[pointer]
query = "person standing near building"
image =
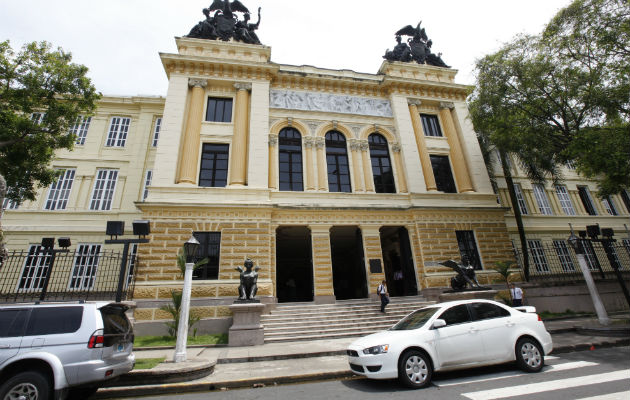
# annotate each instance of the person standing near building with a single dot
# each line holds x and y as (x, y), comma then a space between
(517, 295)
(381, 290)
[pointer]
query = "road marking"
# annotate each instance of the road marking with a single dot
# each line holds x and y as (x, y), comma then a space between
(610, 396)
(521, 390)
(510, 374)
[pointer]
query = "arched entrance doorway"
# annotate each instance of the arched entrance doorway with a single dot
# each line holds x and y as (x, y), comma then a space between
(348, 263)
(294, 264)
(398, 261)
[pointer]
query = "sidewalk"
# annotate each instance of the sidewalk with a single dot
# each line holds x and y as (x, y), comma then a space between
(275, 363)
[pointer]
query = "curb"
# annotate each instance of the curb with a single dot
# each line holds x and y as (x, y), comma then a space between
(198, 370)
(590, 346)
(277, 357)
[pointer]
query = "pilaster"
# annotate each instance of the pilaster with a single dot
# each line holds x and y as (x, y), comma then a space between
(425, 160)
(238, 157)
(400, 172)
(190, 149)
(457, 156)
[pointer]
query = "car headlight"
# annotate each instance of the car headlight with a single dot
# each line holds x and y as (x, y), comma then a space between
(376, 349)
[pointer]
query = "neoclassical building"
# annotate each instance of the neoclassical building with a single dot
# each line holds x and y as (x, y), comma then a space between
(330, 180)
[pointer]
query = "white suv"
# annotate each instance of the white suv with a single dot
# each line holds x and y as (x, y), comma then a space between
(62, 350)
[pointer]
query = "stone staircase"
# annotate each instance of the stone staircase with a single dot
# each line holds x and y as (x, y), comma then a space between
(346, 318)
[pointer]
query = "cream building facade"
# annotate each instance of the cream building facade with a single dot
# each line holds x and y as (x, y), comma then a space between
(330, 180)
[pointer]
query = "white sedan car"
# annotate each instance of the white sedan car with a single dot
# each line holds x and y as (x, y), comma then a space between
(452, 335)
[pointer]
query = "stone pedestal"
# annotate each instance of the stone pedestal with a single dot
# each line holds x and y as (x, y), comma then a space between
(468, 294)
(246, 329)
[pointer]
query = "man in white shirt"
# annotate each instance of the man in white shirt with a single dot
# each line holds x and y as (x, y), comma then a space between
(517, 295)
(381, 290)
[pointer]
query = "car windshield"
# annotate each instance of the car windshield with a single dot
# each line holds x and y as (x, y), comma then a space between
(415, 320)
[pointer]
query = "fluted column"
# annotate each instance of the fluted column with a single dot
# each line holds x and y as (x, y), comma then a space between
(425, 160)
(238, 160)
(322, 167)
(356, 169)
(457, 156)
(400, 173)
(190, 148)
(367, 166)
(273, 162)
(309, 143)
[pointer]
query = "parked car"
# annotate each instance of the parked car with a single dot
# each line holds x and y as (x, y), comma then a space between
(449, 336)
(62, 350)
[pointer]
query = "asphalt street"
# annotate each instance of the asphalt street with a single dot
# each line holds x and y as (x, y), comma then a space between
(602, 374)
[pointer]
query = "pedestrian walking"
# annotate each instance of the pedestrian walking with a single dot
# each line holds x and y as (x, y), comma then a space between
(517, 295)
(381, 290)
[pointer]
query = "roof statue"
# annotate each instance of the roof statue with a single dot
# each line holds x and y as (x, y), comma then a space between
(225, 25)
(417, 48)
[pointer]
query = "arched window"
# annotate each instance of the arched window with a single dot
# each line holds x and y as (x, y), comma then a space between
(290, 160)
(337, 161)
(381, 164)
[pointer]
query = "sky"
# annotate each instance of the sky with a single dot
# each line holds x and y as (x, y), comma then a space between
(120, 40)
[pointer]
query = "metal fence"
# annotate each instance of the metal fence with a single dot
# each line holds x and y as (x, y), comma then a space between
(88, 273)
(556, 261)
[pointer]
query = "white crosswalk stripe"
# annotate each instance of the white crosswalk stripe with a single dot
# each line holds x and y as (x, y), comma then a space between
(511, 374)
(521, 390)
(611, 396)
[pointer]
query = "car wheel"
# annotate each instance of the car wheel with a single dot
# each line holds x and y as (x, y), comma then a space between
(81, 393)
(529, 355)
(414, 369)
(28, 385)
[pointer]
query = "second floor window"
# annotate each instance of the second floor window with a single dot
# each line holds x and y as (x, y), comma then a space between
(118, 129)
(59, 191)
(104, 188)
(156, 131)
(587, 200)
(147, 183)
(542, 200)
(442, 173)
(520, 199)
(219, 109)
(9, 204)
(625, 196)
(38, 117)
(290, 159)
(80, 129)
(337, 163)
(609, 205)
(214, 165)
(381, 164)
(430, 125)
(565, 200)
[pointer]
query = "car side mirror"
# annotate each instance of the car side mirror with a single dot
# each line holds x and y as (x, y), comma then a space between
(438, 323)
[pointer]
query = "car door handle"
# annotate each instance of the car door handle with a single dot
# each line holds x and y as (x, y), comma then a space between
(5, 346)
(510, 324)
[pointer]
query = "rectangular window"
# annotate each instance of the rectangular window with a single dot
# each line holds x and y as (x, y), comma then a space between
(214, 165)
(80, 129)
(565, 200)
(626, 245)
(147, 183)
(210, 248)
(442, 173)
(468, 246)
(219, 109)
(38, 117)
(538, 255)
(541, 198)
(589, 255)
(625, 196)
(570, 165)
(85, 265)
(430, 125)
(34, 270)
(118, 129)
(520, 199)
(133, 261)
(59, 191)
(156, 131)
(562, 250)
(609, 205)
(587, 200)
(9, 204)
(104, 188)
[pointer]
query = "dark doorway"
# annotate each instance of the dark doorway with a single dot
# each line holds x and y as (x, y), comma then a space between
(398, 261)
(348, 263)
(294, 264)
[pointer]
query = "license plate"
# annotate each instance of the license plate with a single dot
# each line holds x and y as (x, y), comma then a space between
(121, 347)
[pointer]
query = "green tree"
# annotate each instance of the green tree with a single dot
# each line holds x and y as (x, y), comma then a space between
(37, 79)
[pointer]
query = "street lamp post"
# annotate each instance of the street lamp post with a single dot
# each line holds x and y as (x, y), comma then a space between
(597, 301)
(190, 249)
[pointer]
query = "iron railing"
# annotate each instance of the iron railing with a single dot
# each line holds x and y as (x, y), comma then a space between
(556, 261)
(78, 275)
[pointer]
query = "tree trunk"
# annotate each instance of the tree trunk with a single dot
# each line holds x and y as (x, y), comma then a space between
(517, 213)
